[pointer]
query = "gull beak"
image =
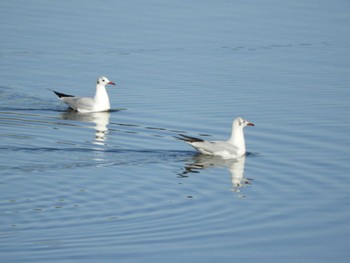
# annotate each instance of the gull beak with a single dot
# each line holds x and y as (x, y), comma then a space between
(112, 83)
(250, 124)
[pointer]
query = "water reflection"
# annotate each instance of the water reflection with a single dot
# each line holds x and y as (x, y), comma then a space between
(235, 167)
(101, 120)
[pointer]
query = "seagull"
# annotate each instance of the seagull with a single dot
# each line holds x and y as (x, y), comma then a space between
(234, 147)
(84, 104)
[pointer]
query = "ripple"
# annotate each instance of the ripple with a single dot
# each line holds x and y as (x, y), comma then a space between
(119, 185)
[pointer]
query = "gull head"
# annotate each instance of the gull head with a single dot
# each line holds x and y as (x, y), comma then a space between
(104, 81)
(240, 122)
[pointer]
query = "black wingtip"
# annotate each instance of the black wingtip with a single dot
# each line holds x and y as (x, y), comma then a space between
(188, 138)
(60, 95)
(179, 138)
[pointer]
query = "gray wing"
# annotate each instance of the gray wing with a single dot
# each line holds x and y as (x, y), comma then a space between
(79, 103)
(214, 147)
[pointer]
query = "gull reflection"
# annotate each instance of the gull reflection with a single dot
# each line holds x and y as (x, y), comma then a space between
(235, 167)
(101, 120)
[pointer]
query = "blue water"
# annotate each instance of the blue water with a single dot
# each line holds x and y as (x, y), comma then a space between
(118, 187)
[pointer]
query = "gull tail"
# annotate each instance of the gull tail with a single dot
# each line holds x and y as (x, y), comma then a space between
(61, 95)
(188, 138)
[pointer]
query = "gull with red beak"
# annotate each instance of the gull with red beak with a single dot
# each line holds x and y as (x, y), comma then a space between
(234, 147)
(85, 104)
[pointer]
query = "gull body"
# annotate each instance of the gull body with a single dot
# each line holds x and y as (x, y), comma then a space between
(100, 102)
(234, 147)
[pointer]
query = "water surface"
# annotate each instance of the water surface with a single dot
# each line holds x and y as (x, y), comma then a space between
(119, 187)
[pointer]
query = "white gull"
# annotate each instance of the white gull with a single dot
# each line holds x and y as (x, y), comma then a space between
(100, 102)
(234, 147)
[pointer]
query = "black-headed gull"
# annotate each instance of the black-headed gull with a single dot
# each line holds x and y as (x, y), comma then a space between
(100, 102)
(234, 147)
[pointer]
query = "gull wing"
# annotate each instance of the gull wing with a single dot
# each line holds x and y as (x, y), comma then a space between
(79, 104)
(222, 148)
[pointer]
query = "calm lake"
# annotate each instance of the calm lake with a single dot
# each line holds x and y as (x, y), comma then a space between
(118, 187)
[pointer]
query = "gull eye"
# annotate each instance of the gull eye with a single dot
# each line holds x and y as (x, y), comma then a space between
(103, 80)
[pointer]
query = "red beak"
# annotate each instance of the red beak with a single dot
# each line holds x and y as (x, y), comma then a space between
(250, 124)
(112, 83)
